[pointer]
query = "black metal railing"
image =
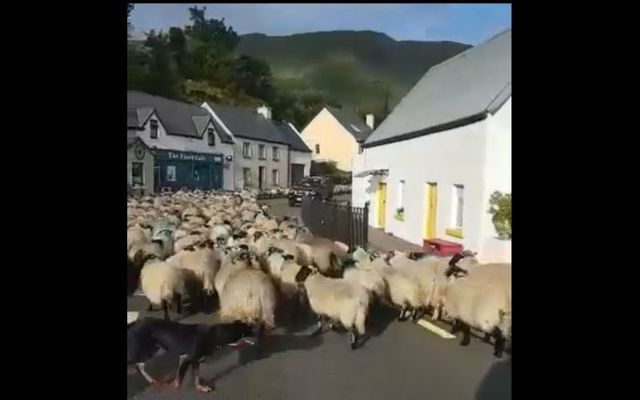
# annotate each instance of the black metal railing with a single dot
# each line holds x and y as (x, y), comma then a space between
(337, 221)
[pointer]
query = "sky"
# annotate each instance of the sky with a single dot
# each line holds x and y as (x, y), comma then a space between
(465, 23)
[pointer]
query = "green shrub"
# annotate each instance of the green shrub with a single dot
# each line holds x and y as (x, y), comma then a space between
(500, 209)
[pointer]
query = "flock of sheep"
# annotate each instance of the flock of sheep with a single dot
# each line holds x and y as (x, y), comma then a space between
(198, 246)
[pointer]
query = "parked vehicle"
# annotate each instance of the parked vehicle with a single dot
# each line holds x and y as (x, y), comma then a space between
(318, 187)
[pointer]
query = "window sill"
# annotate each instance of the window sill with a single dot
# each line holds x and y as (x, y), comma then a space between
(455, 232)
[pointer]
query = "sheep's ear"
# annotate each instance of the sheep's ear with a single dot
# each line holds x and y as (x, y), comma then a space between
(303, 274)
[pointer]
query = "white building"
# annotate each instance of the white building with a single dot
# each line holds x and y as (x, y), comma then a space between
(442, 152)
(267, 154)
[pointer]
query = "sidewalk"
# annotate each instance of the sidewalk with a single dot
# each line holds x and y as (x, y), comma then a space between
(385, 242)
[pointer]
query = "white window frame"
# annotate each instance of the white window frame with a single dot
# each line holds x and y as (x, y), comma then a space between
(400, 199)
(457, 209)
(157, 124)
(262, 148)
(275, 177)
(247, 182)
(276, 153)
(175, 172)
(211, 134)
(131, 172)
(246, 145)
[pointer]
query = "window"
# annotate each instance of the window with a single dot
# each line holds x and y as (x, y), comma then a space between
(153, 125)
(262, 152)
(246, 176)
(399, 215)
(458, 198)
(211, 137)
(276, 154)
(317, 149)
(275, 177)
(171, 173)
(137, 174)
(246, 150)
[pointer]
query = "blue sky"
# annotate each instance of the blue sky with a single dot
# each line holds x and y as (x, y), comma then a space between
(466, 23)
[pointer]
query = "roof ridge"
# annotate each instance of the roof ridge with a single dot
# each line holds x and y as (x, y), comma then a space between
(467, 51)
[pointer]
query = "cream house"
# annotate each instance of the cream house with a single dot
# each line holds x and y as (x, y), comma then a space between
(336, 135)
(428, 171)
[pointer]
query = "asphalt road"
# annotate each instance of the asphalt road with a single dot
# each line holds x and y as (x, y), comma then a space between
(401, 360)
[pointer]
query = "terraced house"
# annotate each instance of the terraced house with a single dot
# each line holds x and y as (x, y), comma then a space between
(268, 154)
(189, 149)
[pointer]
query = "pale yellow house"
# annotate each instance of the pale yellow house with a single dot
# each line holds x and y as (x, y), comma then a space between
(336, 135)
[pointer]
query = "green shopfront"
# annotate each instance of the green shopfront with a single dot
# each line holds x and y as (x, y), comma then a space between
(178, 169)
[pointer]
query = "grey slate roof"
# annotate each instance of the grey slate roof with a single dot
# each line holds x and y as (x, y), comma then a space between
(458, 91)
(352, 123)
(293, 138)
(177, 117)
(247, 123)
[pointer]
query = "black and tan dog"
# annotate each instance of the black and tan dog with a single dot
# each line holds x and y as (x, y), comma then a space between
(190, 342)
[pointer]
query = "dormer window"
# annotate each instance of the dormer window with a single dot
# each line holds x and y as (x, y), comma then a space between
(211, 137)
(153, 125)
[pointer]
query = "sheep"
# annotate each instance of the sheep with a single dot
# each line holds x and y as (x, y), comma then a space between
(249, 296)
(402, 289)
(220, 233)
(162, 284)
(136, 234)
(229, 265)
(202, 261)
(187, 241)
(481, 305)
(336, 299)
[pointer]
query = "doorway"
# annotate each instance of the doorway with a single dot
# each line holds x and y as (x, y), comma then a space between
(431, 199)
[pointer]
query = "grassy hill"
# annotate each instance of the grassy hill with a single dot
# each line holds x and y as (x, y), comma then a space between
(353, 67)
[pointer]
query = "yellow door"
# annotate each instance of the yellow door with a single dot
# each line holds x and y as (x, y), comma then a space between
(382, 202)
(431, 196)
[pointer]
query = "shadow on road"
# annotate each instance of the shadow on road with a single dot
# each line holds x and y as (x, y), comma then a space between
(274, 344)
(496, 384)
(379, 318)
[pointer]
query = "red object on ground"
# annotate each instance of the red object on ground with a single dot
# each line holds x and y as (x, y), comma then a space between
(441, 247)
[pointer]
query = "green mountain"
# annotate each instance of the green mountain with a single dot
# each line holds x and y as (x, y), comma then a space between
(354, 68)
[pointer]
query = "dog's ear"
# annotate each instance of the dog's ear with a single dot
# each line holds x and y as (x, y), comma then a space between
(303, 274)
(288, 257)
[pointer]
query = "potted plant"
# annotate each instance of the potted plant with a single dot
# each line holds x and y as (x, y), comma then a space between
(500, 209)
(399, 215)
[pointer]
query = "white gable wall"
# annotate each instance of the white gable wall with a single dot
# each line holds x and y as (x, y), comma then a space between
(301, 157)
(497, 176)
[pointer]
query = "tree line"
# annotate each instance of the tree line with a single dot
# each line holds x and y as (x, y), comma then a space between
(198, 63)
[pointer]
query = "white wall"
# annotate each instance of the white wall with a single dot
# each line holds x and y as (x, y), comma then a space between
(196, 145)
(254, 163)
(497, 176)
(477, 156)
(299, 157)
(447, 158)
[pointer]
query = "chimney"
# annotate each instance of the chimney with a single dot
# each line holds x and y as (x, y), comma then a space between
(264, 111)
(370, 120)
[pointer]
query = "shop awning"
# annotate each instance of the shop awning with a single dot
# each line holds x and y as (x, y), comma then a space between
(372, 172)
